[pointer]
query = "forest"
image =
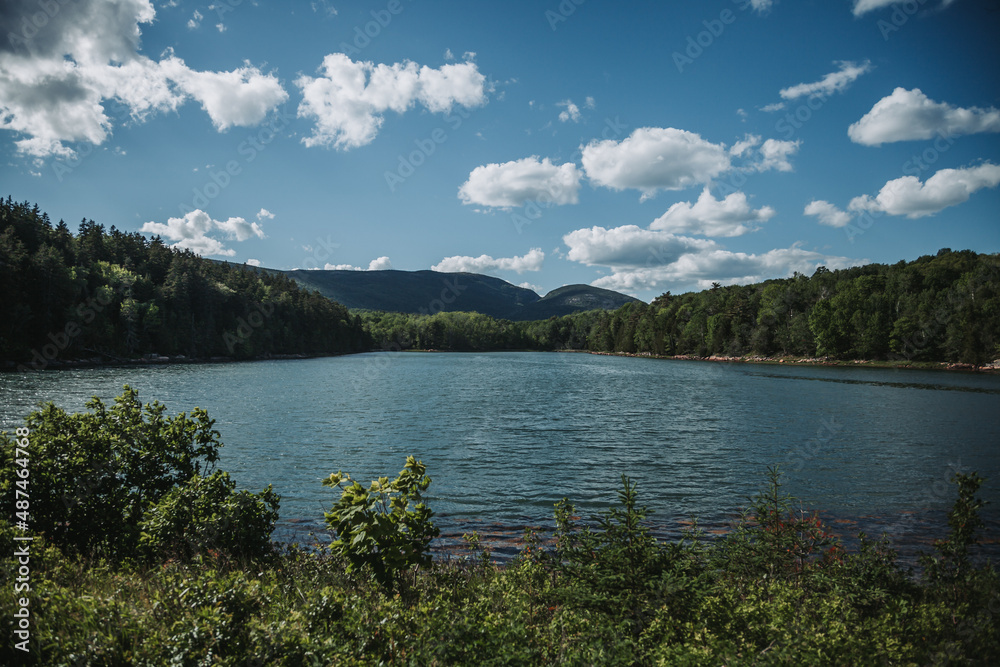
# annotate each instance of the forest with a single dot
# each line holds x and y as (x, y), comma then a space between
(107, 295)
(938, 308)
(111, 295)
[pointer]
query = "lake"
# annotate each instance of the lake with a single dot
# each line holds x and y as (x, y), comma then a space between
(506, 435)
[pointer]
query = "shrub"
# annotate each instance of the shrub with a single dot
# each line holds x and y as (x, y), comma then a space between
(207, 515)
(386, 528)
(93, 475)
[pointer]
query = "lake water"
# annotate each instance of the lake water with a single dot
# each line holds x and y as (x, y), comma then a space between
(506, 435)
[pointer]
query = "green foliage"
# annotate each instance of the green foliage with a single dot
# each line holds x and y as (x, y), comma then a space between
(774, 541)
(385, 529)
(617, 565)
(116, 295)
(937, 308)
(951, 564)
(94, 474)
(581, 605)
(206, 515)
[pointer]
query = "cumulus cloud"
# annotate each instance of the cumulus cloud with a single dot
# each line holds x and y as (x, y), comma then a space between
(264, 213)
(514, 183)
(191, 232)
(378, 264)
(864, 6)
(744, 145)
(774, 154)
(347, 100)
(835, 82)
(653, 159)
(948, 187)
(762, 5)
(195, 20)
(242, 97)
(55, 87)
(907, 115)
(827, 213)
(629, 246)
(709, 216)
(570, 111)
(253, 262)
(702, 268)
(531, 261)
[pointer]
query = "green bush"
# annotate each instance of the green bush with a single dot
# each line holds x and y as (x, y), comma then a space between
(377, 529)
(128, 481)
(207, 515)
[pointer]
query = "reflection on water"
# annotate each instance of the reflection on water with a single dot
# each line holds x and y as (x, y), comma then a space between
(506, 435)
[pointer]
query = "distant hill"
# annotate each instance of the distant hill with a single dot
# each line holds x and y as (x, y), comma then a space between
(434, 291)
(573, 299)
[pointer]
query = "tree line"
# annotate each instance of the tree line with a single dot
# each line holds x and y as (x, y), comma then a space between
(943, 307)
(117, 295)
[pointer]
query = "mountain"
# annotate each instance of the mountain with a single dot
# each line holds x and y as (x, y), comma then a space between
(573, 299)
(435, 291)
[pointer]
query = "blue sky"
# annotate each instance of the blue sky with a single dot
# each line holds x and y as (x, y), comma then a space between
(642, 147)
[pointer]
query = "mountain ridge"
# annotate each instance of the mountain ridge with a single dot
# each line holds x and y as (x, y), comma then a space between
(430, 292)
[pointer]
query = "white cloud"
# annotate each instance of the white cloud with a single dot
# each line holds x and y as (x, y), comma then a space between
(652, 159)
(242, 97)
(629, 246)
(221, 27)
(253, 262)
(709, 216)
(909, 114)
(570, 112)
(531, 261)
(191, 232)
(264, 213)
(195, 20)
(348, 99)
(762, 5)
(834, 82)
(770, 108)
(590, 102)
(702, 268)
(379, 264)
(515, 183)
(744, 145)
(827, 213)
(448, 55)
(948, 187)
(58, 89)
(864, 6)
(775, 153)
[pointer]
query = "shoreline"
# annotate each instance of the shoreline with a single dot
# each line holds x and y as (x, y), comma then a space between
(808, 361)
(151, 359)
